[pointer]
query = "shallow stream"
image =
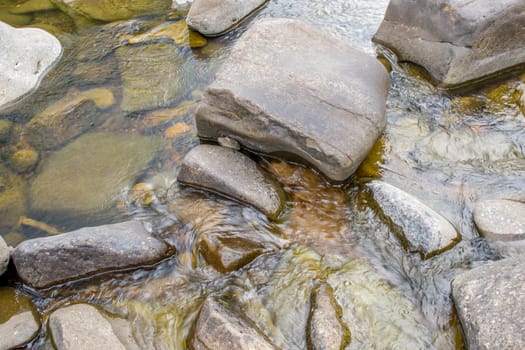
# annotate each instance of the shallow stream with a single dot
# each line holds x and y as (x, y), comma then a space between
(448, 149)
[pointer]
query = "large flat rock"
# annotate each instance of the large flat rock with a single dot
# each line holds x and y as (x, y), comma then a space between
(231, 173)
(290, 89)
(420, 228)
(27, 55)
(42, 262)
(215, 17)
(490, 301)
(456, 41)
(500, 219)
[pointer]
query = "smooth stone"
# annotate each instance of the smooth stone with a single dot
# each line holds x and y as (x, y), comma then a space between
(490, 302)
(5, 251)
(12, 199)
(67, 118)
(27, 55)
(216, 17)
(219, 328)
(326, 329)
(18, 330)
(32, 6)
(152, 75)
(310, 97)
(93, 332)
(87, 175)
(419, 227)
(42, 262)
(96, 72)
(500, 219)
(232, 174)
(111, 10)
(178, 32)
(24, 160)
(457, 42)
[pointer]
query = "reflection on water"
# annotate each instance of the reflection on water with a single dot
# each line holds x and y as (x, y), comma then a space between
(448, 149)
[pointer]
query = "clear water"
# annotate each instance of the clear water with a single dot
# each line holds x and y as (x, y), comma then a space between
(445, 148)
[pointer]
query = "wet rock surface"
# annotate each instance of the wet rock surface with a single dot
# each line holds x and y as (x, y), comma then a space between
(328, 115)
(18, 330)
(42, 262)
(4, 256)
(215, 17)
(220, 328)
(94, 331)
(456, 41)
(490, 301)
(27, 55)
(88, 175)
(326, 330)
(500, 219)
(231, 173)
(420, 228)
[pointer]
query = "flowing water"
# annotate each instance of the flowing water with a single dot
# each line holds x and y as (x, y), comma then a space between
(447, 149)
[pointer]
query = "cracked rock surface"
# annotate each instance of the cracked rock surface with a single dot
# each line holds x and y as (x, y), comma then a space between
(456, 41)
(289, 89)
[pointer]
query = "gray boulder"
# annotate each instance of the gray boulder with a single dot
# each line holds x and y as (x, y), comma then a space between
(231, 173)
(216, 17)
(490, 301)
(27, 55)
(456, 41)
(4, 256)
(42, 262)
(326, 330)
(82, 326)
(420, 228)
(219, 328)
(500, 219)
(290, 89)
(18, 330)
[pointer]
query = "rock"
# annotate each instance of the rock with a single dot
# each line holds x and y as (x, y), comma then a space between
(111, 10)
(42, 262)
(14, 302)
(309, 96)
(419, 227)
(232, 174)
(490, 301)
(97, 72)
(5, 129)
(4, 256)
(55, 21)
(18, 330)
(500, 219)
(33, 6)
(219, 328)
(457, 42)
(228, 251)
(12, 199)
(86, 176)
(326, 331)
(151, 75)
(27, 55)
(94, 332)
(12, 19)
(178, 32)
(14, 238)
(24, 160)
(76, 113)
(216, 17)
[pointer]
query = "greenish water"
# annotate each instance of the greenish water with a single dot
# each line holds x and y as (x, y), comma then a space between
(447, 149)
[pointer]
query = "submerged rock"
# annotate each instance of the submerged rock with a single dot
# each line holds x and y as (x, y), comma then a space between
(216, 17)
(24, 160)
(12, 198)
(178, 32)
(42, 262)
(456, 41)
(18, 330)
(231, 173)
(94, 331)
(151, 75)
(326, 330)
(33, 6)
(419, 227)
(490, 301)
(4, 256)
(27, 55)
(220, 328)
(500, 219)
(88, 175)
(310, 96)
